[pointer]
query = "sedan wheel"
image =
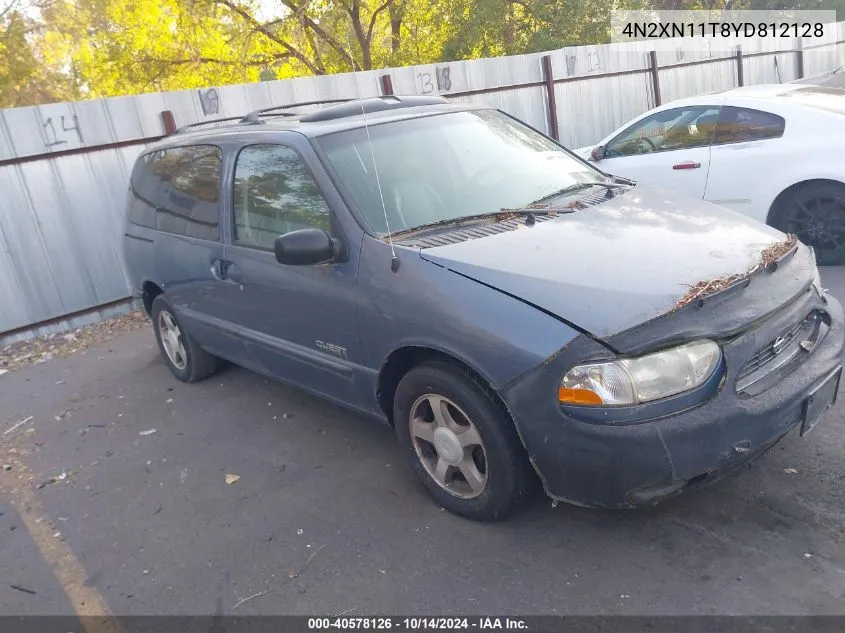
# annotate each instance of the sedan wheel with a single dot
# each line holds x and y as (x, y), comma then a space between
(816, 214)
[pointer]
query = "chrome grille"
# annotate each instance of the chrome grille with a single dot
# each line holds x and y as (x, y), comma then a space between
(770, 350)
(780, 351)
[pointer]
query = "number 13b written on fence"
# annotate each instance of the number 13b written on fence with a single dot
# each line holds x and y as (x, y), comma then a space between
(426, 83)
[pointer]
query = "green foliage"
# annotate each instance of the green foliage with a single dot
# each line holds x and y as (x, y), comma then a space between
(508, 27)
(25, 78)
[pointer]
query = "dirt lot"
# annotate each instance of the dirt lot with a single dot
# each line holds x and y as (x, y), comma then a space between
(124, 489)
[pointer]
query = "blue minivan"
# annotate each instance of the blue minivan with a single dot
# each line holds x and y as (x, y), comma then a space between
(516, 314)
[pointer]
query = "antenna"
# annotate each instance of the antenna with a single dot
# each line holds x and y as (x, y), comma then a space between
(394, 261)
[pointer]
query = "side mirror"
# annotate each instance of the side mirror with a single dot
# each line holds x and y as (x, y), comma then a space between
(305, 247)
(598, 153)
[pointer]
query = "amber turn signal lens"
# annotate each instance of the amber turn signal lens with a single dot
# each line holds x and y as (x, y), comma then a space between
(578, 396)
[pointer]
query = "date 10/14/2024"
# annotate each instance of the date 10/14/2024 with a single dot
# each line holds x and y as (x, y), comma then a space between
(418, 623)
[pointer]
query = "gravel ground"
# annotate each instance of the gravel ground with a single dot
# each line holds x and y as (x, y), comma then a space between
(44, 348)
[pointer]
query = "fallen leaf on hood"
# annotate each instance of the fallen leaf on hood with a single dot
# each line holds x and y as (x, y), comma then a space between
(791, 471)
(231, 478)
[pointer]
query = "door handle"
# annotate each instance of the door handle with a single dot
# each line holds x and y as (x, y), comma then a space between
(687, 165)
(223, 270)
(233, 273)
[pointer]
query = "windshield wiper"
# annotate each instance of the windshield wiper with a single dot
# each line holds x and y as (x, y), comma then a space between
(578, 186)
(529, 210)
(497, 216)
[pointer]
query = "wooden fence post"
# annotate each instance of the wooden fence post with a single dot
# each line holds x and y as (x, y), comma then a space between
(655, 77)
(386, 85)
(799, 59)
(168, 121)
(549, 79)
(740, 78)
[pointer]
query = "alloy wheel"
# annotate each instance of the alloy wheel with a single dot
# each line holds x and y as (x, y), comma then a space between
(818, 219)
(448, 446)
(172, 340)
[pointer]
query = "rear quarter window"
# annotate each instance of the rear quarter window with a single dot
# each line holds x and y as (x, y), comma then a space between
(143, 193)
(738, 125)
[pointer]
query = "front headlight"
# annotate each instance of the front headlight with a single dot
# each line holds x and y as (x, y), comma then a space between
(630, 381)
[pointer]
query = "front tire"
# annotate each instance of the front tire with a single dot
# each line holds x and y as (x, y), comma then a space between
(184, 357)
(815, 213)
(461, 441)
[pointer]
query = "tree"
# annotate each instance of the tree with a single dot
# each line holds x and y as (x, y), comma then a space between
(115, 47)
(326, 36)
(25, 79)
(64, 49)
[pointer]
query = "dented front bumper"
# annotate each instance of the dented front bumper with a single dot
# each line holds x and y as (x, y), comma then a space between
(618, 463)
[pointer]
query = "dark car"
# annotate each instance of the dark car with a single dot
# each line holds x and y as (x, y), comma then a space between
(514, 312)
(833, 79)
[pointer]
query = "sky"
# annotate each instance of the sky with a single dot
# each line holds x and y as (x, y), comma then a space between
(267, 10)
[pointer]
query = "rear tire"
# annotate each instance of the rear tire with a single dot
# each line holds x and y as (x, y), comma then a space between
(815, 212)
(184, 357)
(461, 442)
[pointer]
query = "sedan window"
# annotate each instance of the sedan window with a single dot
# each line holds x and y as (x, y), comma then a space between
(678, 128)
(737, 125)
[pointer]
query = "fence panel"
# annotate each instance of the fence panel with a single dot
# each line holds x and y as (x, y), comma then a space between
(677, 83)
(591, 108)
(820, 59)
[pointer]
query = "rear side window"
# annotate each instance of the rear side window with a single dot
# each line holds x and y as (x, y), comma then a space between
(738, 125)
(177, 190)
(143, 189)
(190, 190)
(275, 194)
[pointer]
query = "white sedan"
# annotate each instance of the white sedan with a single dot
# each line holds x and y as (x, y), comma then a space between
(772, 152)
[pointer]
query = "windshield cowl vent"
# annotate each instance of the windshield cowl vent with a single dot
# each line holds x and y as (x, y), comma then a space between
(456, 234)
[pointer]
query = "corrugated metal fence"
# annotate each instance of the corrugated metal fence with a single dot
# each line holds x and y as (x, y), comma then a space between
(64, 167)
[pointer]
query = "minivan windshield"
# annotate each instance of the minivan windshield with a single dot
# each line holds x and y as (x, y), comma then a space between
(449, 166)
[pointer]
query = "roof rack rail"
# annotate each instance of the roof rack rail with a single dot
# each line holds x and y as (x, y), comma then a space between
(371, 105)
(253, 116)
(185, 128)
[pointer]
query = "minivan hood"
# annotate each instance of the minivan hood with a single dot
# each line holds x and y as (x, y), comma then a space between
(613, 266)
